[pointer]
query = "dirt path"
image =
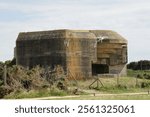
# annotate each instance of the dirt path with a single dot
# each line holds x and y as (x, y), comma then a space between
(94, 94)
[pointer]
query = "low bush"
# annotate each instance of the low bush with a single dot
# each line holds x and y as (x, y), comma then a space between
(5, 90)
(22, 81)
(145, 85)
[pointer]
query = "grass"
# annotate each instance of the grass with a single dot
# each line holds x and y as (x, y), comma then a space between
(128, 84)
(35, 93)
(134, 73)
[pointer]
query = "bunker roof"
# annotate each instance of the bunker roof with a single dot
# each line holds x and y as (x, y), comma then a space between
(109, 35)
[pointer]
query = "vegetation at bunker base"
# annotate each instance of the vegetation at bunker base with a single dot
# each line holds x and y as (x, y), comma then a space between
(127, 85)
(38, 82)
(124, 85)
(36, 93)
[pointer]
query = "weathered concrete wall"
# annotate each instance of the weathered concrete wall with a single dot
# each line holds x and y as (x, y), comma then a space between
(118, 69)
(112, 51)
(77, 51)
(80, 53)
(41, 48)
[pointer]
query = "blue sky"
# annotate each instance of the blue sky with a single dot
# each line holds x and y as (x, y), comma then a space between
(130, 18)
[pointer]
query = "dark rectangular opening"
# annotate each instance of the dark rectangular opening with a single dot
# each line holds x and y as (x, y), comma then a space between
(99, 69)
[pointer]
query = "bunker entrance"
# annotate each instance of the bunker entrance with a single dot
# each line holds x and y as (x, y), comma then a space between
(99, 69)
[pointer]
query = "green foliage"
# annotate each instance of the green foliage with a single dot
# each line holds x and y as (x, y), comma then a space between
(4, 90)
(126, 84)
(57, 92)
(39, 82)
(139, 65)
(116, 89)
(1, 70)
(145, 84)
(45, 92)
(10, 63)
(1, 82)
(22, 81)
(139, 73)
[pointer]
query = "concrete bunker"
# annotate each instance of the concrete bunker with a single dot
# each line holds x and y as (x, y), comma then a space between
(80, 52)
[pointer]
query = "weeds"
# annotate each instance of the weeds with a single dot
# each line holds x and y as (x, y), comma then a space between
(34, 82)
(39, 82)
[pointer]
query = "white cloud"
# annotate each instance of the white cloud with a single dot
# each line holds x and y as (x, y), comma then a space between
(129, 18)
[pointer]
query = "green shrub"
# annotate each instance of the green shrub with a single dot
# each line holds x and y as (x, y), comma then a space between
(1, 83)
(5, 90)
(145, 84)
(139, 76)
